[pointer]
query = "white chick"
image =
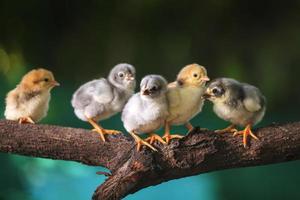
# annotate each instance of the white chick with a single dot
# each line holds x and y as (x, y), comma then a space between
(239, 103)
(185, 98)
(29, 101)
(147, 110)
(102, 98)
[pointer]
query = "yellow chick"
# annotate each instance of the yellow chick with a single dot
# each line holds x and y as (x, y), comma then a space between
(29, 101)
(185, 98)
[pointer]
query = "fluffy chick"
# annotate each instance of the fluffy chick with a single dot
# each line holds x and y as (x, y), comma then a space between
(239, 103)
(29, 101)
(185, 98)
(102, 98)
(147, 110)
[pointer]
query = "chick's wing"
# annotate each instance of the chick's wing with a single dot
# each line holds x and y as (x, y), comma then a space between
(174, 98)
(12, 99)
(97, 90)
(253, 100)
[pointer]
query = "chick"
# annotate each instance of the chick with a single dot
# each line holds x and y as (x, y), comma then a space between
(29, 101)
(102, 98)
(239, 103)
(147, 110)
(185, 98)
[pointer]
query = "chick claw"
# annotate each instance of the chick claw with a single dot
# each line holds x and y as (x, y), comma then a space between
(247, 131)
(107, 131)
(24, 120)
(153, 137)
(229, 129)
(169, 137)
(141, 142)
(102, 132)
(189, 126)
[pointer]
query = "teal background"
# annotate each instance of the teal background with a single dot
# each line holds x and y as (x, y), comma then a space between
(253, 41)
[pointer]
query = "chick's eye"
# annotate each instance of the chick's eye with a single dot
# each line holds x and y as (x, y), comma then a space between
(154, 88)
(195, 75)
(215, 91)
(46, 79)
(121, 74)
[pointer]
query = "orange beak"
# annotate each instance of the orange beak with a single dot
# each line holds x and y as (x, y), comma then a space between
(55, 83)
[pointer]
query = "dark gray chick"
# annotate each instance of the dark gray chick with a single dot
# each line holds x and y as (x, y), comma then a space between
(239, 103)
(101, 98)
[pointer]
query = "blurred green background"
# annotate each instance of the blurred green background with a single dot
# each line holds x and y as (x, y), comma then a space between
(253, 41)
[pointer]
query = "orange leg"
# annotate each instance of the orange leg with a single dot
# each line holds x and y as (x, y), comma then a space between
(229, 129)
(141, 142)
(24, 120)
(189, 126)
(153, 137)
(247, 131)
(101, 130)
(167, 134)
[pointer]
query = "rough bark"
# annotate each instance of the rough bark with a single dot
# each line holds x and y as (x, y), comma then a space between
(198, 152)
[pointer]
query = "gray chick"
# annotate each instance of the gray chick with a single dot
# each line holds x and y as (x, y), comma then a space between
(101, 98)
(239, 103)
(147, 110)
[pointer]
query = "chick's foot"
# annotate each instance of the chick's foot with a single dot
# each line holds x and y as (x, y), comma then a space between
(229, 129)
(141, 142)
(108, 131)
(189, 126)
(169, 137)
(100, 130)
(26, 120)
(247, 131)
(153, 137)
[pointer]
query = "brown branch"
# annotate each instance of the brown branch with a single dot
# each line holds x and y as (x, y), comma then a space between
(63, 144)
(199, 152)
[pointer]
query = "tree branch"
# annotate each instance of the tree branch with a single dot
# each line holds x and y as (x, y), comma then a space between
(199, 152)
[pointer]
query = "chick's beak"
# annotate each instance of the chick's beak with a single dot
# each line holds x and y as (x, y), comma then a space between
(55, 83)
(205, 79)
(146, 92)
(207, 95)
(180, 82)
(129, 78)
